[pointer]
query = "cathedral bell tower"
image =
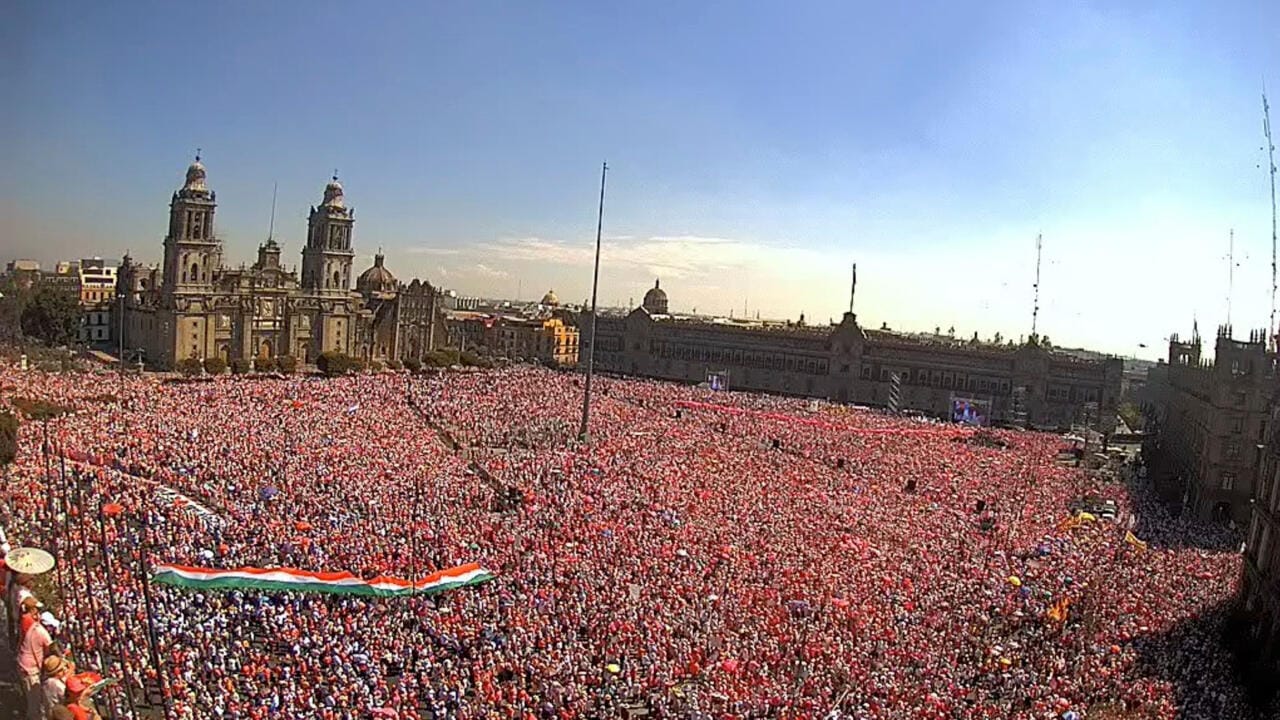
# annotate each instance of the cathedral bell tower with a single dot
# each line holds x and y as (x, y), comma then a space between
(192, 253)
(326, 260)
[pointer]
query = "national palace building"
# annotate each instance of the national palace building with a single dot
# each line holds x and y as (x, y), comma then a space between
(843, 362)
(193, 306)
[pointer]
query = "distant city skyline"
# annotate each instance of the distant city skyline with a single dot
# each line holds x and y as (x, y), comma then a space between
(754, 151)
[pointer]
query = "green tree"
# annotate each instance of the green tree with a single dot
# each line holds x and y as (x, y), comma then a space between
(189, 366)
(375, 365)
(8, 438)
(394, 364)
(1131, 415)
(265, 364)
(39, 410)
(413, 364)
(333, 363)
(52, 316)
(215, 365)
(15, 299)
(239, 366)
(287, 364)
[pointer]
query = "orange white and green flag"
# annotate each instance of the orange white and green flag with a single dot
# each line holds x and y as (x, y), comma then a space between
(333, 583)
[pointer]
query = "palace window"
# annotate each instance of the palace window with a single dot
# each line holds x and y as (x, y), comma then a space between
(1228, 481)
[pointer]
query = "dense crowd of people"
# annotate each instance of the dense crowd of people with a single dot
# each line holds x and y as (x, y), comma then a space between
(705, 555)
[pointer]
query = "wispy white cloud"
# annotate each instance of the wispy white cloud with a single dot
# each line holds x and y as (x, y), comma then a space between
(487, 271)
(687, 257)
(420, 250)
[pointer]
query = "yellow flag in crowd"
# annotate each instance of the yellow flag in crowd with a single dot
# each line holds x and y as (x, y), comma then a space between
(1069, 523)
(1133, 541)
(1058, 611)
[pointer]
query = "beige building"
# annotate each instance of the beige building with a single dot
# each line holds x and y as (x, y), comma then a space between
(549, 337)
(843, 362)
(97, 300)
(1212, 421)
(1261, 587)
(192, 306)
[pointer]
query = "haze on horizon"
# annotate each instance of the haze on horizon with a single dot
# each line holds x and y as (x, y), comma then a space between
(755, 151)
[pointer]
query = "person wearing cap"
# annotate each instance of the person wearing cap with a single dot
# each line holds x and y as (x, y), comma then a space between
(31, 654)
(28, 615)
(54, 688)
(21, 595)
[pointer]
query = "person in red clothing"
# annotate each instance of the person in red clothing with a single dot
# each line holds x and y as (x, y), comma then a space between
(78, 701)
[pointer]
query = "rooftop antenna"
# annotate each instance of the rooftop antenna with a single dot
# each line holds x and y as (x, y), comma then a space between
(271, 229)
(1271, 170)
(1231, 271)
(1035, 308)
(853, 288)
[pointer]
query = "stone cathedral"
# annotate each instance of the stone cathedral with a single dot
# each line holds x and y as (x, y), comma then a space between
(192, 306)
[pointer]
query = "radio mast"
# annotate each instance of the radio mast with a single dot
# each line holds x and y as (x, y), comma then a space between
(1271, 170)
(1231, 271)
(1035, 307)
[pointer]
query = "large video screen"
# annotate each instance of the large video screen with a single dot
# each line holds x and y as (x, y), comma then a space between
(970, 411)
(718, 379)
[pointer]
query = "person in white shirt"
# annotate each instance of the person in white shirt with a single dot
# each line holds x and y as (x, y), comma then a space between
(54, 687)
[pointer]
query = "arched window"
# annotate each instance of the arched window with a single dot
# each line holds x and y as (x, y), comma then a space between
(195, 272)
(337, 279)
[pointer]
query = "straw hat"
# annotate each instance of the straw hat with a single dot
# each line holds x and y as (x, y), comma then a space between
(54, 665)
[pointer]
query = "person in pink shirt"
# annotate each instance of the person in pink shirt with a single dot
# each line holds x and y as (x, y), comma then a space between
(31, 653)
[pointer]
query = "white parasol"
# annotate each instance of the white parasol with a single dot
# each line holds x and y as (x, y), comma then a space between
(29, 561)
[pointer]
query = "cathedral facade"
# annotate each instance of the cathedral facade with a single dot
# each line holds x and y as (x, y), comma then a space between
(192, 306)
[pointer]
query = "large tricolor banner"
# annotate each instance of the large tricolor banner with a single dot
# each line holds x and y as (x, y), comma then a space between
(334, 583)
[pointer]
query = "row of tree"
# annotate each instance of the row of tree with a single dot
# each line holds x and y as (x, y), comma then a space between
(43, 313)
(216, 366)
(331, 363)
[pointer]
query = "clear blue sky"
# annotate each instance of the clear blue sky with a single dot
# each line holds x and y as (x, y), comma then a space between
(755, 149)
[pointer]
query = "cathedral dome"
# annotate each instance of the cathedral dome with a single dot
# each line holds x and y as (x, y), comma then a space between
(195, 176)
(550, 299)
(655, 301)
(376, 279)
(333, 193)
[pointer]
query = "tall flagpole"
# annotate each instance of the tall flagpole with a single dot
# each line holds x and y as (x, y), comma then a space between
(583, 432)
(853, 287)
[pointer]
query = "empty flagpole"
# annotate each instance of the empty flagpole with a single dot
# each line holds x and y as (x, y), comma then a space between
(583, 432)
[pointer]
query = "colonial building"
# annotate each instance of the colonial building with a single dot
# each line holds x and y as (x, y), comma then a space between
(1261, 587)
(844, 362)
(550, 336)
(192, 306)
(97, 296)
(1212, 421)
